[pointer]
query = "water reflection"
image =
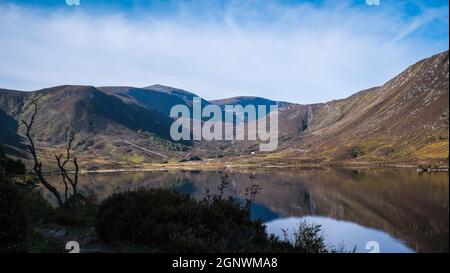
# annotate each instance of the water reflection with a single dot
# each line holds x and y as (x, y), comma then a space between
(341, 233)
(408, 210)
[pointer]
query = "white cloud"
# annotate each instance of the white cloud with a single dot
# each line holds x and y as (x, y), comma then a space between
(303, 54)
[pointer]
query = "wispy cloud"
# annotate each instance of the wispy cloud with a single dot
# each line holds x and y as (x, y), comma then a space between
(298, 52)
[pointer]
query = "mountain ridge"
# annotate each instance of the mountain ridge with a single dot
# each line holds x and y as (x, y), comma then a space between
(404, 120)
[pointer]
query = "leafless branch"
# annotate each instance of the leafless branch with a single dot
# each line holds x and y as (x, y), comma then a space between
(62, 171)
(70, 135)
(37, 164)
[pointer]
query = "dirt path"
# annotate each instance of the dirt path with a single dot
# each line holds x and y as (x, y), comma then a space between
(144, 149)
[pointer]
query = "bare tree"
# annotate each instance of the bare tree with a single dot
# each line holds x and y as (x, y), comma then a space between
(37, 168)
(70, 135)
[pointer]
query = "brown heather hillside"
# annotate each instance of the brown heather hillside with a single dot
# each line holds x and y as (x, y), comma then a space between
(104, 125)
(404, 121)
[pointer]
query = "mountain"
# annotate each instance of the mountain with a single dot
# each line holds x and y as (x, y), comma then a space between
(179, 93)
(406, 119)
(156, 97)
(105, 124)
(245, 101)
(147, 98)
(248, 100)
(403, 121)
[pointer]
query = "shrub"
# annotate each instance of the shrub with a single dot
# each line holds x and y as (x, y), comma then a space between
(168, 221)
(308, 238)
(10, 167)
(14, 225)
(38, 209)
(78, 210)
(358, 151)
(144, 216)
(21, 208)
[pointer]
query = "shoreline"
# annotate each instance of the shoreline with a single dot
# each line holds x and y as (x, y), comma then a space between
(254, 167)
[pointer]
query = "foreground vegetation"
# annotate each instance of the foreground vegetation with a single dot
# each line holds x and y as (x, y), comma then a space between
(171, 222)
(153, 220)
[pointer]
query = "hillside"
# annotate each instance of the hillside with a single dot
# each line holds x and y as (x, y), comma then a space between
(403, 121)
(246, 100)
(103, 122)
(186, 96)
(154, 100)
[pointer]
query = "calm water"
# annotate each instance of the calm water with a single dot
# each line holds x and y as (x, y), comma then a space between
(401, 210)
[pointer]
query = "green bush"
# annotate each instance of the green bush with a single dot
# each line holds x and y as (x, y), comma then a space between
(143, 216)
(167, 221)
(10, 167)
(14, 225)
(358, 151)
(308, 238)
(170, 221)
(39, 210)
(21, 208)
(78, 210)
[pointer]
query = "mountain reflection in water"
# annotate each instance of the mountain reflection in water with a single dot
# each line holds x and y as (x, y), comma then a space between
(403, 210)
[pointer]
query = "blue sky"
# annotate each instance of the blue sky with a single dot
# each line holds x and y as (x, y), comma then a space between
(300, 51)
